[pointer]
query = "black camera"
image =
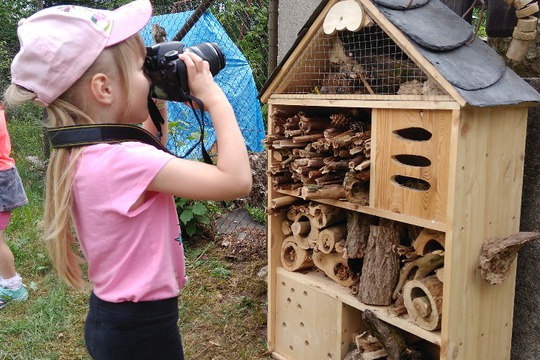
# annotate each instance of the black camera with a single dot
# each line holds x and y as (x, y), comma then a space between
(168, 73)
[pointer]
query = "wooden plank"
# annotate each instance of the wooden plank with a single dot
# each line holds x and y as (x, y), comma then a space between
(501, 19)
(434, 225)
(434, 102)
(487, 153)
(273, 251)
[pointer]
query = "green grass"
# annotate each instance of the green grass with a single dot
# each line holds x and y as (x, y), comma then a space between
(222, 309)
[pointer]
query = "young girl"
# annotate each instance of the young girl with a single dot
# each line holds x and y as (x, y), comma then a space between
(85, 66)
(12, 196)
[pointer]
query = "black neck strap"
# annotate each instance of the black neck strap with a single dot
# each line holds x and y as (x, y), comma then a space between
(83, 135)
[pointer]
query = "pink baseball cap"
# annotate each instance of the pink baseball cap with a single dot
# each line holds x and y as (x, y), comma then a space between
(58, 44)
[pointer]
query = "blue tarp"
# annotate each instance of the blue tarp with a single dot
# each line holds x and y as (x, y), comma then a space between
(236, 80)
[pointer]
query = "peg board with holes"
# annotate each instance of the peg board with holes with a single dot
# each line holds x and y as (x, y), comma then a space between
(395, 112)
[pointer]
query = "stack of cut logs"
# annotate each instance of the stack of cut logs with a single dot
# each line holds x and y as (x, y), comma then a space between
(315, 236)
(383, 262)
(320, 157)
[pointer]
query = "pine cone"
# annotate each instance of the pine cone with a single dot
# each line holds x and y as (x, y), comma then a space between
(340, 120)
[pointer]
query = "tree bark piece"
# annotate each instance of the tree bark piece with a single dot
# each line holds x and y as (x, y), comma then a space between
(380, 270)
(293, 257)
(423, 300)
(391, 337)
(335, 267)
(357, 234)
(497, 255)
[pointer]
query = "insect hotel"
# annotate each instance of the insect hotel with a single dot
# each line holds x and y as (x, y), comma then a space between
(396, 142)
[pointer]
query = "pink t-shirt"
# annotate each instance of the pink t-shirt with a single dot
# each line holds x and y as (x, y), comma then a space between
(6, 161)
(132, 255)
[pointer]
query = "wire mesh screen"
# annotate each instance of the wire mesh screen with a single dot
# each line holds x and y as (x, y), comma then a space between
(365, 62)
(237, 28)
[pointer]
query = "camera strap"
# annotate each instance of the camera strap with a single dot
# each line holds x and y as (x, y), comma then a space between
(90, 134)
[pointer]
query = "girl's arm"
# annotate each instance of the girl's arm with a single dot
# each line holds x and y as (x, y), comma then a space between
(230, 178)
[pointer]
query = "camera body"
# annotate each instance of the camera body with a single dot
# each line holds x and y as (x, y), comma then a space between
(168, 73)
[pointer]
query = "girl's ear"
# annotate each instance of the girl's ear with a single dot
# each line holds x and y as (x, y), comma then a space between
(101, 88)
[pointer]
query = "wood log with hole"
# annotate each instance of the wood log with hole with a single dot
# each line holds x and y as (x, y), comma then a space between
(294, 257)
(335, 267)
(423, 301)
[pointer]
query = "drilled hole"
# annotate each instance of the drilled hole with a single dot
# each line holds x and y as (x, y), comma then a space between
(414, 134)
(412, 183)
(413, 160)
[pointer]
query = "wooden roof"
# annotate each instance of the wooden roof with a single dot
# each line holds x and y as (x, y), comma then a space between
(428, 30)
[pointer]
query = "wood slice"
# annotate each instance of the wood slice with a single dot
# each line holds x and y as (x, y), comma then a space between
(335, 267)
(423, 300)
(529, 10)
(293, 257)
(527, 24)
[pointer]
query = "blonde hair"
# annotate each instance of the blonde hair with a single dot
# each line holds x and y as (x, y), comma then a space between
(67, 110)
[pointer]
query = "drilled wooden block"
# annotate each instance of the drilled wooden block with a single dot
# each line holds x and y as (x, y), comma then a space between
(412, 155)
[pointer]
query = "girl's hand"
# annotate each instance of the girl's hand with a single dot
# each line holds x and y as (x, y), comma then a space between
(201, 81)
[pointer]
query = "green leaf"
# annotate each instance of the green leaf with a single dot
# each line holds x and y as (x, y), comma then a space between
(186, 216)
(199, 209)
(191, 229)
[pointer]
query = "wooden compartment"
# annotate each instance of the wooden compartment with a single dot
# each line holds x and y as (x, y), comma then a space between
(311, 324)
(411, 162)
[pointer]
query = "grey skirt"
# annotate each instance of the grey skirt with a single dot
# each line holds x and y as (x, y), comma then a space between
(12, 193)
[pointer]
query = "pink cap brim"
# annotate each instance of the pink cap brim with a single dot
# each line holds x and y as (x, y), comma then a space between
(129, 20)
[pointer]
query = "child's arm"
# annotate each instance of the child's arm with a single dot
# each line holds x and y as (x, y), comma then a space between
(230, 178)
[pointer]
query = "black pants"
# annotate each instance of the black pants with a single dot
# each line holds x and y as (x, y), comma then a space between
(128, 330)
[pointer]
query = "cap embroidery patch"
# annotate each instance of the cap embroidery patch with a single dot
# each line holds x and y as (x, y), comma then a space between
(100, 19)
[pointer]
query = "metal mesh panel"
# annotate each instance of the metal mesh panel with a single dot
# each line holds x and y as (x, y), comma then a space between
(364, 62)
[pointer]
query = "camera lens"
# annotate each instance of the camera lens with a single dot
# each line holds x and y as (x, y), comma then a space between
(212, 53)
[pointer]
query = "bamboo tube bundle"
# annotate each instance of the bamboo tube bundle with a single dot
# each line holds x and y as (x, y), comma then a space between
(294, 257)
(311, 154)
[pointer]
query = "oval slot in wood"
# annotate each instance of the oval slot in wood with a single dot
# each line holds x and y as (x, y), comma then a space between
(411, 183)
(414, 134)
(412, 160)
